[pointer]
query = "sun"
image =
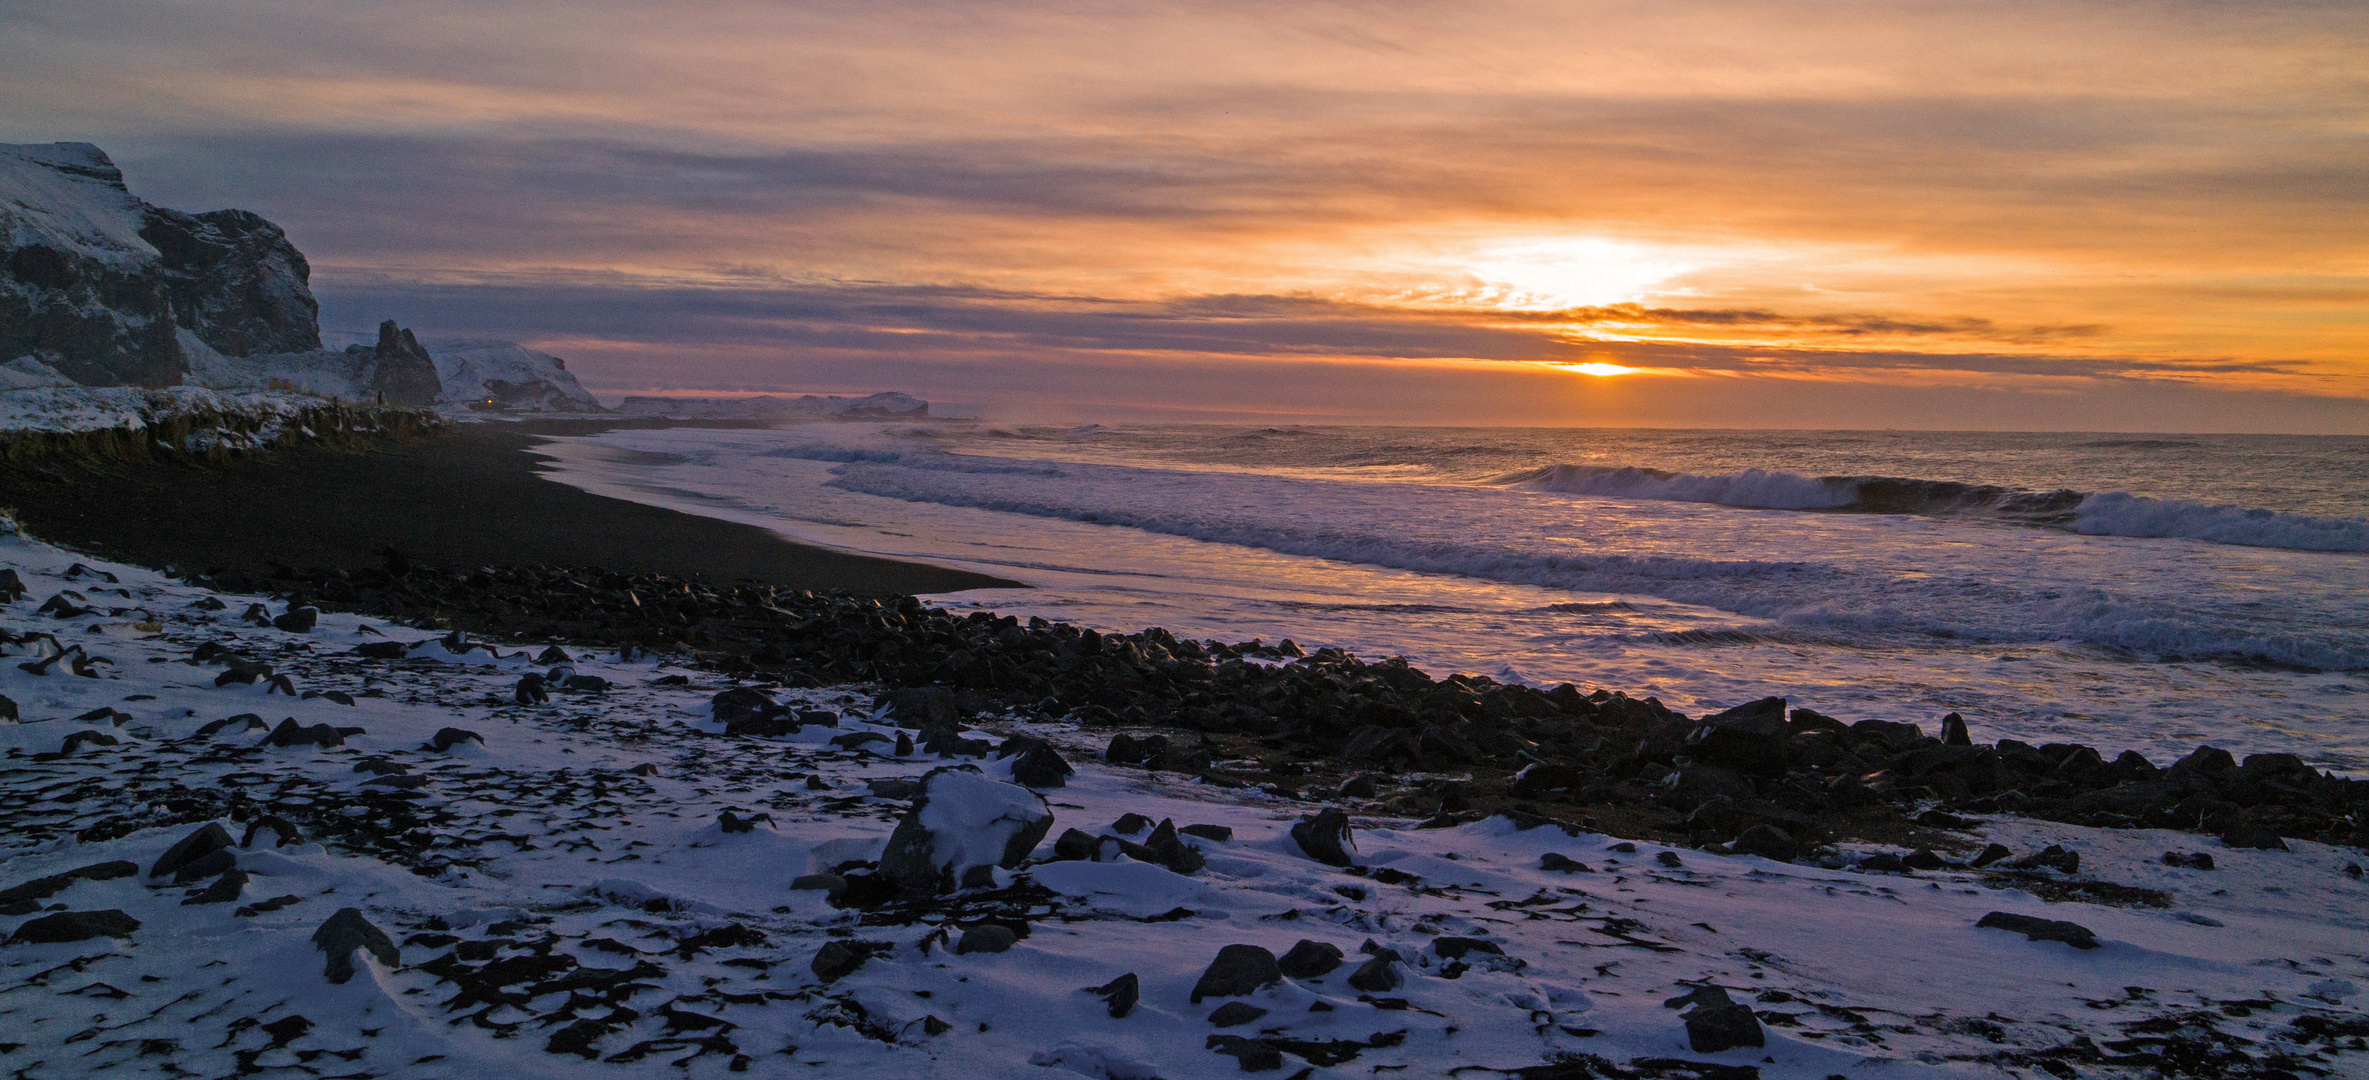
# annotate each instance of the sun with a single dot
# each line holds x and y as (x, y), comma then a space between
(1551, 274)
(1601, 369)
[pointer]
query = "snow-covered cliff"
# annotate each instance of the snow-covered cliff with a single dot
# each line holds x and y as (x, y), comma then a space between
(101, 287)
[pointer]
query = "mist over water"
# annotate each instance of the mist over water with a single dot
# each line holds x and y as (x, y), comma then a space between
(2143, 592)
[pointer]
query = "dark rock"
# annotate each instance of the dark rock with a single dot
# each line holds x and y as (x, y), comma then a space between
(1361, 786)
(1255, 1055)
(1376, 975)
(1166, 849)
(204, 866)
(298, 620)
(531, 690)
(1563, 864)
(1991, 853)
(1456, 948)
(1239, 970)
(2073, 934)
(345, 932)
(1130, 823)
(836, 959)
(554, 655)
(922, 861)
(447, 738)
(1309, 960)
(1326, 837)
(1040, 766)
(384, 650)
(63, 926)
(591, 684)
(1235, 1014)
(2197, 861)
(830, 885)
(1953, 731)
(2204, 762)
(822, 718)
(904, 746)
(208, 839)
(402, 373)
(1884, 862)
(1768, 842)
(2052, 857)
(1669, 859)
(1076, 845)
(86, 738)
(283, 831)
(224, 890)
(46, 887)
(1123, 750)
(8, 710)
(1119, 994)
(2254, 837)
(290, 733)
(1749, 739)
(1541, 779)
(734, 823)
(1925, 859)
(1219, 833)
(1716, 1023)
(986, 938)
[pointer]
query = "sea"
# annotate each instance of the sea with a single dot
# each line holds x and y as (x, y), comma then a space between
(2141, 592)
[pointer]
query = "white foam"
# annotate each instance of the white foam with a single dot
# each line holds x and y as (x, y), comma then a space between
(2119, 513)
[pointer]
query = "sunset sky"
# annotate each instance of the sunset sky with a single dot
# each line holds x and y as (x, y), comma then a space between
(1781, 214)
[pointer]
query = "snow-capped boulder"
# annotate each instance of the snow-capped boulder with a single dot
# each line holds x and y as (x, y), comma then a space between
(963, 824)
(100, 286)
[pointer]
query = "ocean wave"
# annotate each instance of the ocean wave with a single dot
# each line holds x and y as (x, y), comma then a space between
(1797, 595)
(2118, 513)
(2112, 513)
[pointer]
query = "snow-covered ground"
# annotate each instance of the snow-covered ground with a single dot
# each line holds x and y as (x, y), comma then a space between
(73, 409)
(565, 898)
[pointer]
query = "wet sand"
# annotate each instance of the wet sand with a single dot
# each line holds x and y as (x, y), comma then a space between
(468, 496)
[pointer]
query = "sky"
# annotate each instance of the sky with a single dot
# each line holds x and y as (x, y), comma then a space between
(2044, 215)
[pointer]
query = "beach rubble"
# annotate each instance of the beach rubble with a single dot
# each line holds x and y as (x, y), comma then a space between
(615, 882)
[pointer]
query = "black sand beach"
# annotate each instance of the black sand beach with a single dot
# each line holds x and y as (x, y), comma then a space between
(469, 496)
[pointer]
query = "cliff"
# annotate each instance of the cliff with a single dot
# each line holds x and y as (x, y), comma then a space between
(99, 286)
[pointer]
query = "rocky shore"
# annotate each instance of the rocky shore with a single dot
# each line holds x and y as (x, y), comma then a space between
(1383, 736)
(631, 823)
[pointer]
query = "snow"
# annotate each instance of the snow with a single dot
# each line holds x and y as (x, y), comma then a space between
(68, 196)
(583, 835)
(971, 817)
(29, 373)
(471, 368)
(69, 409)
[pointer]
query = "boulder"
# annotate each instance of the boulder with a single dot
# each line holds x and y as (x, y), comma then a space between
(2073, 934)
(1376, 975)
(986, 938)
(1716, 1023)
(1119, 994)
(62, 926)
(837, 959)
(1749, 739)
(298, 620)
(345, 932)
(1325, 837)
(962, 823)
(447, 738)
(1238, 971)
(208, 839)
(1309, 960)
(1040, 766)
(1235, 1014)
(1768, 842)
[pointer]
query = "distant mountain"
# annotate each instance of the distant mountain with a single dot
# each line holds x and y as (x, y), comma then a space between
(888, 406)
(106, 290)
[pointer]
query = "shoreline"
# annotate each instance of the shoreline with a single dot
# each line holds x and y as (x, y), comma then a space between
(471, 495)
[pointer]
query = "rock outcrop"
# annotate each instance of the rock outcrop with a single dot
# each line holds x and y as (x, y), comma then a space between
(402, 373)
(100, 287)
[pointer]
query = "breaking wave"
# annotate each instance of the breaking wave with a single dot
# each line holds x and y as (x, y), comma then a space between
(2112, 513)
